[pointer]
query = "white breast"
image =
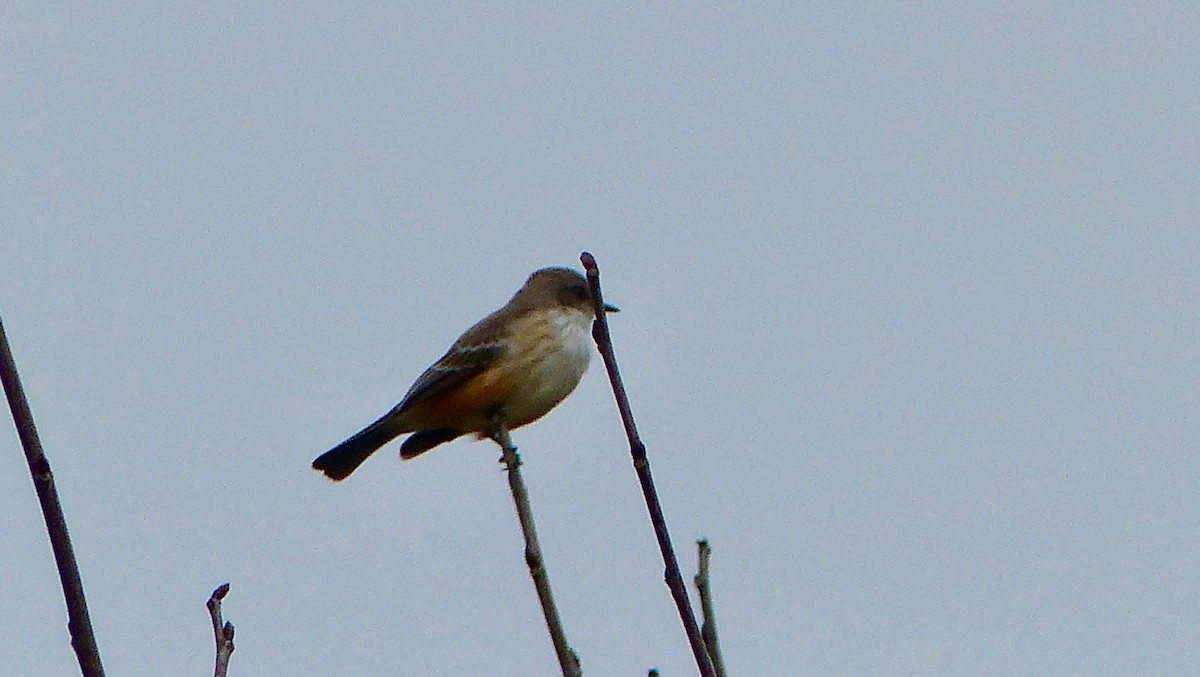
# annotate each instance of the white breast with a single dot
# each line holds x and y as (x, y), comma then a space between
(550, 374)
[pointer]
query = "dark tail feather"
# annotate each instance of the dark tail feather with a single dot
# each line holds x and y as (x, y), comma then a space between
(340, 461)
(424, 440)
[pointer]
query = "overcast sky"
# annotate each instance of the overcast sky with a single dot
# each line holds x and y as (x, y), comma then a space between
(909, 324)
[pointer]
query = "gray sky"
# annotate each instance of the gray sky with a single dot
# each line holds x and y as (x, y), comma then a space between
(910, 328)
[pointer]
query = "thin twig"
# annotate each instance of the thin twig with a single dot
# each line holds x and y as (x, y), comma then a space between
(709, 630)
(79, 624)
(641, 464)
(568, 660)
(222, 630)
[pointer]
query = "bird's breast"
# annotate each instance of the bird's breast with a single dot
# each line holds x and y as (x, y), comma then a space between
(550, 354)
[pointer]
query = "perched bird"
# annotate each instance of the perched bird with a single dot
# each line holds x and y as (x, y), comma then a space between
(519, 362)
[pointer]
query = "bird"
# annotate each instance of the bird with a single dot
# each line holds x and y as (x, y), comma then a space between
(514, 366)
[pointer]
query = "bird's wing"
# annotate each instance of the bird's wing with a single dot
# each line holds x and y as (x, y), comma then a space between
(458, 365)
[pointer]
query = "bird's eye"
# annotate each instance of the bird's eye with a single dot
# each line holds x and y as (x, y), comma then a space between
(580, 292)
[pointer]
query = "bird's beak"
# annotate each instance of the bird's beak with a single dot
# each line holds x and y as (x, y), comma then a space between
(610, 308)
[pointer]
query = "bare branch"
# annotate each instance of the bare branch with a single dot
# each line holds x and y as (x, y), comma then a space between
(79, 623)
(222, 630)
(709, 630)
(641, 464)
(568, 660)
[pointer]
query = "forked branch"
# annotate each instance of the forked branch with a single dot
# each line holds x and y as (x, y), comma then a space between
(222, 630)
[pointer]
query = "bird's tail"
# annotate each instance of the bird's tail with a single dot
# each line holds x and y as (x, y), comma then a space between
(340, 461)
